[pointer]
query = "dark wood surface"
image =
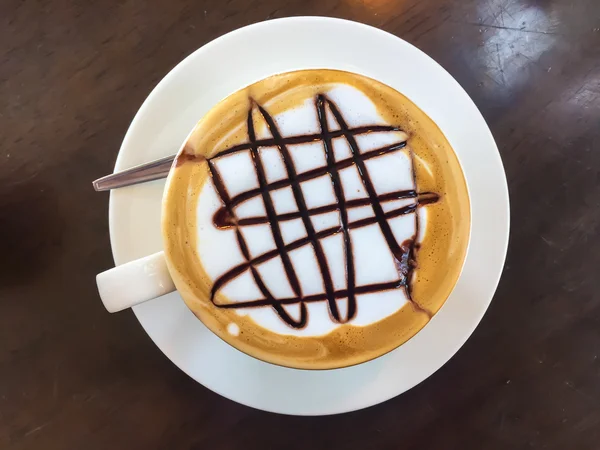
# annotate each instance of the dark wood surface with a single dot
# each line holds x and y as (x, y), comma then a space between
(72, 376)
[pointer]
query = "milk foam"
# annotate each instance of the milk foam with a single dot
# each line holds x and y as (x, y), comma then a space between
(219, 251)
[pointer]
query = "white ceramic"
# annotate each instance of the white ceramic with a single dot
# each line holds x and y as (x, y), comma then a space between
(248, 55)
(135, 282)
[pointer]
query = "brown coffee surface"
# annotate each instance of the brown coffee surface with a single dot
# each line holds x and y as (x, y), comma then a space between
(437, 259)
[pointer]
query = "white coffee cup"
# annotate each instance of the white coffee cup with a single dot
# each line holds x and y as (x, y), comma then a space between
(286, 294)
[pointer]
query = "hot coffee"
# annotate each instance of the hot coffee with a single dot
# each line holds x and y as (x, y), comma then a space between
(316, 219)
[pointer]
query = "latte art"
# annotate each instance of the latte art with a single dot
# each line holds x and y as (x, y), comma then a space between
(402, 253)
(309, 220)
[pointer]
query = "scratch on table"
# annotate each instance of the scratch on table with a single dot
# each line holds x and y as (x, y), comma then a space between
(548, 241)
(533, 61)
(500, 27)
(418, 24)
(426, 31)
(37, 429)
(508, 12)
(493, 79)
(500, 67)
(573, 388)
(411, 7)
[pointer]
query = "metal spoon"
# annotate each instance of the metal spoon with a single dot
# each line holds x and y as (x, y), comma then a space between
(153, 170)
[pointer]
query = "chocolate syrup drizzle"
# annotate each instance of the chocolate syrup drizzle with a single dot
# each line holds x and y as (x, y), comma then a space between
(225, 217)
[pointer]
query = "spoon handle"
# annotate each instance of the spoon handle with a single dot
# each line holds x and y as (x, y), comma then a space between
(153, 170)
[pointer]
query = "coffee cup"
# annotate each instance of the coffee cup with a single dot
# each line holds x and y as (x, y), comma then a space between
(315, 219)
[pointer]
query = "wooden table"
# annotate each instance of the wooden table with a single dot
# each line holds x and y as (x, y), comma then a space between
(73, 74)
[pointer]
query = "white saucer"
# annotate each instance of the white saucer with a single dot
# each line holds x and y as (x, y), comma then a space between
(248, 55)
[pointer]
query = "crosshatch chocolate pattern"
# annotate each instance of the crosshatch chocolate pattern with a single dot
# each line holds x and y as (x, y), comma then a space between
(403, 252)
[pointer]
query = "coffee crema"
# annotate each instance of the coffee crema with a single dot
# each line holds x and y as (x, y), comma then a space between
(316, 219)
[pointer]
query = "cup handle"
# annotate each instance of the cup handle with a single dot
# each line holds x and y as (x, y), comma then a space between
(134, 282)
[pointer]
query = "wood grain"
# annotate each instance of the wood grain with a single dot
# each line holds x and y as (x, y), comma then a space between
(73, 74)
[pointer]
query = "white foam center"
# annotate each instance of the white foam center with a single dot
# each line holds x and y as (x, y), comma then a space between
(374, 263)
